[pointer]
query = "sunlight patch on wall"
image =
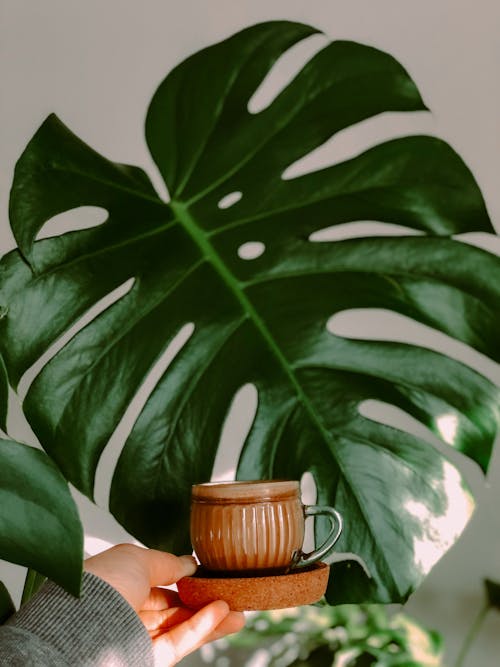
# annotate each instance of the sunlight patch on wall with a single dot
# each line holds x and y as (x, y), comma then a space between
(447, 425)
(439, 533)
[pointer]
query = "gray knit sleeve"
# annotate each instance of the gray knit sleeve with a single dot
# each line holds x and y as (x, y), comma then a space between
(57, 630)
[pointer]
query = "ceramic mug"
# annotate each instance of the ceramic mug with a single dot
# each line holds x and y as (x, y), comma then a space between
(254, 526)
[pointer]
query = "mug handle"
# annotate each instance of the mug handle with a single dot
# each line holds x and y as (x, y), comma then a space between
(305, 559)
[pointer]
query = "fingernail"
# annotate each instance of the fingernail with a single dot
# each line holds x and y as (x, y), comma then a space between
(189, 563)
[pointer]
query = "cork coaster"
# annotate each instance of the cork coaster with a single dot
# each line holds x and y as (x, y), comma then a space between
(256, 593)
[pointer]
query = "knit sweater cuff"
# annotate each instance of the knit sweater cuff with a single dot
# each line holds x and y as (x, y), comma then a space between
(99, 628)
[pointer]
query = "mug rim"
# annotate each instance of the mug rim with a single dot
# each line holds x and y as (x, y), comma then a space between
(256, 490)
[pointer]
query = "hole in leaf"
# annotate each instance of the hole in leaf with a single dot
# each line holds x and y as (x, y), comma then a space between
(251, 250)
(309, 495)
(308, 488)
(359, 229)
(238, 422)
(284, 71)
(390, 415)
(156, 179)
(114, 446)
(381, 324)
(358, 138)
(93, 312)
(18, 427)
(339, 556)
(76, 219)
(483, 240)
(230, 200)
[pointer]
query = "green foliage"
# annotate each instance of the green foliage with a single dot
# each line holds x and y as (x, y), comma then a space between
(39, 524)
(4, 394)
(492, 593)
(6, 605)
(261, 321)
(347, 636)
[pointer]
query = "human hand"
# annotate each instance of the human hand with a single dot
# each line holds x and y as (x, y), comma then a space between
(175, 630)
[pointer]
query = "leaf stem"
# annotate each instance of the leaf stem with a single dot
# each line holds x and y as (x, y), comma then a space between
(471, 635)
(32, 583)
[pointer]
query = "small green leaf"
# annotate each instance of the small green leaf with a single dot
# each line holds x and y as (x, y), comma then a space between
(39, 524)
(492, 593)
(34, 580)
(6, 605)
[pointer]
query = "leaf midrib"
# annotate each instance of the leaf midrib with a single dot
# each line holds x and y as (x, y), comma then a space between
(185, 218)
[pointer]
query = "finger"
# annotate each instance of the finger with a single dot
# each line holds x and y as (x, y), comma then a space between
(161, 598)
(234, 622)
(171, 646)
(165, 568)
(165, 619)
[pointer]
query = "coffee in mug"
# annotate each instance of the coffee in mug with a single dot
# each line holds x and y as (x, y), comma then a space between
(255, 527)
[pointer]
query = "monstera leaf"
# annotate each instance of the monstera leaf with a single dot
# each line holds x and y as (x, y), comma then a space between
(180, 267)
(4, 394)
(39, 524)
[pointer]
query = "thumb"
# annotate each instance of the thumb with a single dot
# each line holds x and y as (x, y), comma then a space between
(165, 568)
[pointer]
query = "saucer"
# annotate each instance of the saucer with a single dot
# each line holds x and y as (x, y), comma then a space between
(278, 591)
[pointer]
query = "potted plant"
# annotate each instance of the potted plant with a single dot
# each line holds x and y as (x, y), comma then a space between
(98, 310)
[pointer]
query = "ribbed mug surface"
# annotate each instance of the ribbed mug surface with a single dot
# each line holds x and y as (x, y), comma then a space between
(247, 526)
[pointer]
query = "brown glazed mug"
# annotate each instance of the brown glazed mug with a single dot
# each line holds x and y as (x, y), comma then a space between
(254, 526)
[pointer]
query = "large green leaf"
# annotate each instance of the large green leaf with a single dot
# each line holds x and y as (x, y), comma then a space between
(39, 524)
(260, 321)
(4, 394)
(4, 387)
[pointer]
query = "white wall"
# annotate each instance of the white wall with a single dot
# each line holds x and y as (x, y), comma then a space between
(96, 65)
